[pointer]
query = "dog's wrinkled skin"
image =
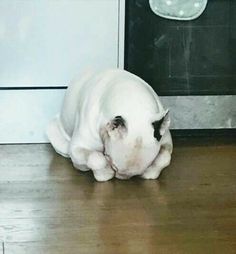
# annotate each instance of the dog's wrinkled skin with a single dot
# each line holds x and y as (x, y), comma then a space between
(114, 124)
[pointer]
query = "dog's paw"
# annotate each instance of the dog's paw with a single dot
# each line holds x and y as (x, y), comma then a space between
(103, 175)
(151, 174)
(96, 161)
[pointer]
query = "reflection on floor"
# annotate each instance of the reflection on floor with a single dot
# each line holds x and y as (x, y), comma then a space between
(46, 206)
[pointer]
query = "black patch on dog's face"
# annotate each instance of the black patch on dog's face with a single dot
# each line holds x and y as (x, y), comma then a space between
(118, 121)
(157, 126)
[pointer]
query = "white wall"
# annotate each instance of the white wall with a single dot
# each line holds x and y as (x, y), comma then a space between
(43, 45)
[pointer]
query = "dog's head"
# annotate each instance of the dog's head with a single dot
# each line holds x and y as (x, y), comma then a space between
(131, 147)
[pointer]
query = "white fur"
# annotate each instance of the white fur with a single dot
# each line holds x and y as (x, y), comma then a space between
(82, 130)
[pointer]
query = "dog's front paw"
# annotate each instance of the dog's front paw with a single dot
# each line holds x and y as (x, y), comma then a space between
(162, 161)
(96, 161)
(100, 167)
(151, 174)
(104, 174)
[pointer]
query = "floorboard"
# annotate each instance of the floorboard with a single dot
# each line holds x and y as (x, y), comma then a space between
(46, 206)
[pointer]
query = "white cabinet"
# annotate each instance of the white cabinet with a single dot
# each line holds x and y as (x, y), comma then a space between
(43, 45)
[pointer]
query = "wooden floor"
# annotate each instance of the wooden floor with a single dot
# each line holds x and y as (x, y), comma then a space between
(46, 206)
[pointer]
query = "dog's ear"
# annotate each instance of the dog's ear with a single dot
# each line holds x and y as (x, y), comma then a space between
(117, 122)
(116, 127)
(160, 126)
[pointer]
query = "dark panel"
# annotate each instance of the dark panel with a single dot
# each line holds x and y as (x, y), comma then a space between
(211, 133)
(183, 57)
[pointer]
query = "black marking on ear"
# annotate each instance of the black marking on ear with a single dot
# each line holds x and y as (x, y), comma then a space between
(157, 126)
(118, 121)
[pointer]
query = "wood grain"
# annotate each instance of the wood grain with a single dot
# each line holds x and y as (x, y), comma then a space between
(46, 206)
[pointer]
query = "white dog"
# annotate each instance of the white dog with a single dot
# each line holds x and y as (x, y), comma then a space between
(114, 124)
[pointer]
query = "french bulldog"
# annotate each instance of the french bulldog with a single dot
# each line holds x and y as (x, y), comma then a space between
(114, 124)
